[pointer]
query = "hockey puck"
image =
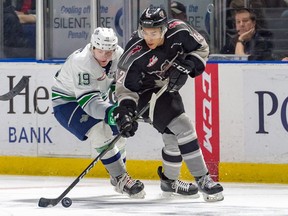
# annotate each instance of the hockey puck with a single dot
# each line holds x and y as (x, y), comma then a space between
(66, 202)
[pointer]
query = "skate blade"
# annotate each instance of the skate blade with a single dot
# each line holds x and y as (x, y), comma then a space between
(140, 195)
(176, 195)
(213, 197)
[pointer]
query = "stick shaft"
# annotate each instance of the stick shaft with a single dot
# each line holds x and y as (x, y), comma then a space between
(44, 202)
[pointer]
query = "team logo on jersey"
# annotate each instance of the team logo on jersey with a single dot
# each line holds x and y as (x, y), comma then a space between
(102, 77)
(164, 67)
(84, 118)
(135, 50)
(152, 61)
(174, 24)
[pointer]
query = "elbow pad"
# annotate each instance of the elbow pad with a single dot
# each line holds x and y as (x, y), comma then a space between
(199, 67)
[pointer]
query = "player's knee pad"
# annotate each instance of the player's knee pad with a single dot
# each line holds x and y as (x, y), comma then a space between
(183, 129)
(100, 136)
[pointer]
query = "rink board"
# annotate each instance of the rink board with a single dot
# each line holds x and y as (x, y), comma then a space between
(247, 137)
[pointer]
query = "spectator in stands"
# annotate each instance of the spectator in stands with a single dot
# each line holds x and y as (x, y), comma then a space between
(13, 30)
(178, 11)
(259, 4)
(16, 35)
(250, 39)
(26, 11)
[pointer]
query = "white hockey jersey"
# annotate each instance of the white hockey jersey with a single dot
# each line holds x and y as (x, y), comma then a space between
(81, 79)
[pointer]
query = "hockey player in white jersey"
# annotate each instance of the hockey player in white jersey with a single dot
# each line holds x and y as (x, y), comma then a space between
(81, 103)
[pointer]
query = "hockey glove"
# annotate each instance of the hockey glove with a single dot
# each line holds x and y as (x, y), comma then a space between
(191, 65)
(123, 116)
(178, 73)
(176, 80)
(184, 66)
(109, 119)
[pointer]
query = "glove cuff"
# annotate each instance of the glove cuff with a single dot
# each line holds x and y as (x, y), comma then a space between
(129, 104)
(109, 119)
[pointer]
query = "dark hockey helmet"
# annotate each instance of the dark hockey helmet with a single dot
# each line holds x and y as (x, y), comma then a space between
(153, 17)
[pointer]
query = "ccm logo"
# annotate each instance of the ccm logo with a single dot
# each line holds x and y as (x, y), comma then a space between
(207, 110)
(181, 68)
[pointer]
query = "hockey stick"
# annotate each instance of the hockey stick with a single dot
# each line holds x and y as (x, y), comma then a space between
(16, 90)
(66, 202)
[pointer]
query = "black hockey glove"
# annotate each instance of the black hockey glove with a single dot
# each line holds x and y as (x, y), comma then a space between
(123, 116)
(176, 80)
(184, 66)
(178, 73)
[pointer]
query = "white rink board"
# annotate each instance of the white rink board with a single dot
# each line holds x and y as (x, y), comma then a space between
(239, 116)
(243, 136)
(17, 136)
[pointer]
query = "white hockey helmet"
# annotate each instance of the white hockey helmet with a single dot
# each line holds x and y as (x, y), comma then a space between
(104, 39)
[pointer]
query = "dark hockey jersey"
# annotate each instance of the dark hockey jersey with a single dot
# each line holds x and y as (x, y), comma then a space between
(140, 69)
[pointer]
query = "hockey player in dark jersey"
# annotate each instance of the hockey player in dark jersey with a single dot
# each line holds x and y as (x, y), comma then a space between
(141, 71)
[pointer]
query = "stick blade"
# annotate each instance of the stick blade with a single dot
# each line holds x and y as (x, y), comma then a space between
(43, 202)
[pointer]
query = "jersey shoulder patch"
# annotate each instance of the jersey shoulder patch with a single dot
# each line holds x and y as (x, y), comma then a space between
(177, 26)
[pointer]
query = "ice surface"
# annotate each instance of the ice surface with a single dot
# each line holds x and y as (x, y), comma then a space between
(19, 196)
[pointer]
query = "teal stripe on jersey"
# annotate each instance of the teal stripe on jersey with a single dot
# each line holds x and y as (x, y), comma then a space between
(57, 95)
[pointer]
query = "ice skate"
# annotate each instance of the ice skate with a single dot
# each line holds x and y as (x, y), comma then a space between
(133, 188)
(176, 187)
(113, 181)
(211, 190)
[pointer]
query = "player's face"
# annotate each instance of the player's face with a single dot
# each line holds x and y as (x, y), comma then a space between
(152, 36)
(102, 56)
(244, 22)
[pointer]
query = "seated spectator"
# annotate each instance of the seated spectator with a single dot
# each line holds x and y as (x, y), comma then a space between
(13, 30)
(26, 11)
(249, 39)
(19, 38)
(259, 4)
